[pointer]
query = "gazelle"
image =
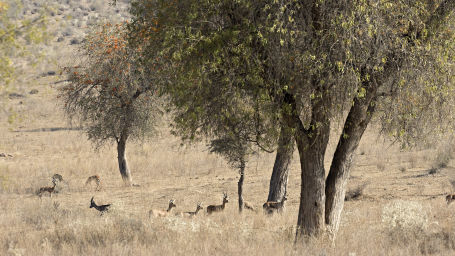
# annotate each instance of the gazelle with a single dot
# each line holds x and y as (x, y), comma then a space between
(95, 178)
(100, 208)
(450, 198)
(248, 206)
(198, 208)
(272, 206)
(218, 208)
(46, 189)
(161, 213)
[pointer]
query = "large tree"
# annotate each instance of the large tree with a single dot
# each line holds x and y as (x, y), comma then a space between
(307, 63)
(110, 93)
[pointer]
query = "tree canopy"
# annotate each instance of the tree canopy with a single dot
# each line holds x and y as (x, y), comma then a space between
(303, 65)
(109, 93)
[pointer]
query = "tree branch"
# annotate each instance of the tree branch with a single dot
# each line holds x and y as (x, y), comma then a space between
(439, 16)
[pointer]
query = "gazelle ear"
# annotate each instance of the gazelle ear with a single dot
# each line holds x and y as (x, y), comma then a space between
(91, 200)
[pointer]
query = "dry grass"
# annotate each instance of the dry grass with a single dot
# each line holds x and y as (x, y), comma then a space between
(373, 224)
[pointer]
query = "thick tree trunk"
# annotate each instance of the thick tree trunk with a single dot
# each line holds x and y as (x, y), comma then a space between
(122, 162)
(312, 144)
(240, 185)
(279, 179)
(355, 125)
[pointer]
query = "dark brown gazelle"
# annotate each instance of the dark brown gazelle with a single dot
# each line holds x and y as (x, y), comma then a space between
(46, 189)
(271, 206)
(161, 213)
(96, 179)
(450, 198)
(218, 208)
(100, 208)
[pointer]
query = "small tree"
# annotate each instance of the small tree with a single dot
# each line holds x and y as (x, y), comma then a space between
(236, 154)
(235, 143)
(110, 94)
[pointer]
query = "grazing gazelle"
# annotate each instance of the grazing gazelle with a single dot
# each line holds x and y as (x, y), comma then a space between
(95, 178)
(450, 198)
(272, 206)
(46, 189)
(100, 208)
(161, 213)
(218, 208)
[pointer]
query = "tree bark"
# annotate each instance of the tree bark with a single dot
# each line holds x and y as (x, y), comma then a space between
(355, 125)
(279, 179)
(122, 162)
(311, 145)
(240, 185)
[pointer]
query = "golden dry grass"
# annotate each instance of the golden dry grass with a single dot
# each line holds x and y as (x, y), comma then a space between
(401, 209)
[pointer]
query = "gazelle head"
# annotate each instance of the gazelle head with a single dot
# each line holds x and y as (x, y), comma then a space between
(225, 198)
(284, 198)
(199, 206)
(171, 204)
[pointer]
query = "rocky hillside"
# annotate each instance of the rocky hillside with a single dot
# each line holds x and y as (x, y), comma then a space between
(69, 21)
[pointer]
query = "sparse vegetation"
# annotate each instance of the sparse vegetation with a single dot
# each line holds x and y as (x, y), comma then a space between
(18, 33)
(444, 154)
(399, 213)
(110, 94)
(355, 193)
(402, 169)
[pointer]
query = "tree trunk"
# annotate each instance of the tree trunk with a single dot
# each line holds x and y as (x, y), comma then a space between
(279, 179)
(312, 144)
(240, 185)
(122, 162)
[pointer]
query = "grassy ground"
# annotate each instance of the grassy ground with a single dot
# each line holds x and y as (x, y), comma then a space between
(400, 209)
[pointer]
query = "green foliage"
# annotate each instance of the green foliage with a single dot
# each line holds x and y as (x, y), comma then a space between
(216, 88)
(109, 92)
(311, 60)
(17, 34)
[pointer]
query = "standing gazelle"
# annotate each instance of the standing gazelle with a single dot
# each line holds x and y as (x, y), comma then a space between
(46, 189)
(161, 213)
(272, 206)
(198, 208)
(218, 208)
